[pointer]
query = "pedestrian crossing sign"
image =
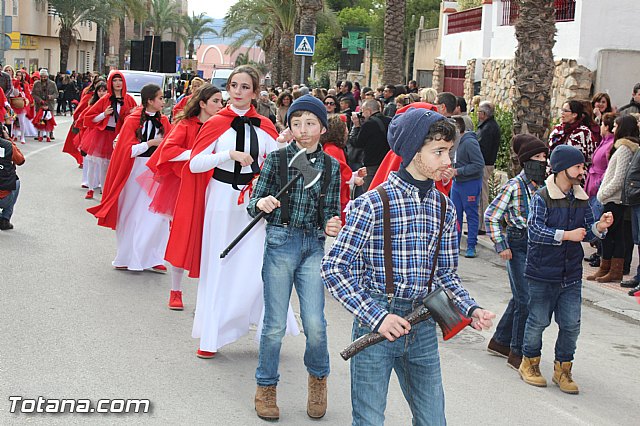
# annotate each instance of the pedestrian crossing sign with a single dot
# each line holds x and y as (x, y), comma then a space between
(304, 45)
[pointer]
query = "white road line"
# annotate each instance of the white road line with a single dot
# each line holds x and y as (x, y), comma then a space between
(50, 145)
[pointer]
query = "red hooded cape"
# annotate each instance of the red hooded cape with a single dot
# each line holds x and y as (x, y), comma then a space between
(391, 162)
(185, 241)
(162, 182)
(104, 102)
(180, 105)
(120, 169)
(72, 142)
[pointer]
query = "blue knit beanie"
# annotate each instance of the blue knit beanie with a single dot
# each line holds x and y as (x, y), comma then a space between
(565, 156)
(309, 103)
(408, 131)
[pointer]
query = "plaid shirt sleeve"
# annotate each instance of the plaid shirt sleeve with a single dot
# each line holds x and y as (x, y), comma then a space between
(339, 272)
(539, 232)
(332, 197)
(266, 184)
(494, 214)
(447, 268)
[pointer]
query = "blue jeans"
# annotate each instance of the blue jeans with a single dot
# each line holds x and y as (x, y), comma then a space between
(414, 358)
(465, 197)
(564, 303)
(7, 203)
(510, 329)
(292, 256)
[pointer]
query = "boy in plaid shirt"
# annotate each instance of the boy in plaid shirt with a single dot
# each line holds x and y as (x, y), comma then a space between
(354, 273)
(511, 205)
(294, 247)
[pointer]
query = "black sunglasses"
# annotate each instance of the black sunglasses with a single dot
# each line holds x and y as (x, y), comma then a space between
(329, 103)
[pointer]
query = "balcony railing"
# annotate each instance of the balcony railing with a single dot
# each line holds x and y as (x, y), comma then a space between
(467, 20)
(565, 11)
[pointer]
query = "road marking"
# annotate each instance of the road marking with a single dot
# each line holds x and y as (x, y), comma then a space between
(41, 149)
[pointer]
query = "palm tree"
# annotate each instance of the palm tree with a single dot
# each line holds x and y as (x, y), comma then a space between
(195, 28)
(271, 25)
(393, 41)
(308, 11)
(534, 66)
(164, 16)
(125, 9)
(71, 13)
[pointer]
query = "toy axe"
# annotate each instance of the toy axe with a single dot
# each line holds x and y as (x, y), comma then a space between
(304, 170)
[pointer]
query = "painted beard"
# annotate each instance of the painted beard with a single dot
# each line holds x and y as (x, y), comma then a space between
(430, 172)
(575, 180)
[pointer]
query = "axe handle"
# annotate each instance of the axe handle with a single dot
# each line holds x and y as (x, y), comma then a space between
(256, 219)
(419, 314)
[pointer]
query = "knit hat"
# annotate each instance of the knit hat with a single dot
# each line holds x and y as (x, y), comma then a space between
(311, 104)
(264, 93)
(565, 156)
(44, 72)
(408, 131)
(526, 146)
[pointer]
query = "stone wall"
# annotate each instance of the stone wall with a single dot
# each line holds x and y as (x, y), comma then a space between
(570, 81)
(469, 77)
(438, 75)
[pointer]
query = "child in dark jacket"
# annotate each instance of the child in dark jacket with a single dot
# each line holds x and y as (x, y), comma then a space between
(560, 218)
(467, 170)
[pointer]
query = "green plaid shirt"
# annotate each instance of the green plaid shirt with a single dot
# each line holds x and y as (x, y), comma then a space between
(303, 203)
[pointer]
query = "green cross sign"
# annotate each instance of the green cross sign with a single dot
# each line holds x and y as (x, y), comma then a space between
(353, 43)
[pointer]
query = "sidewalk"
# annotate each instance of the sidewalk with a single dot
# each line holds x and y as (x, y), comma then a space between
(606, 296)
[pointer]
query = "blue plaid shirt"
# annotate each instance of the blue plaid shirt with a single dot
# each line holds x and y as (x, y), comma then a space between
(354, 268)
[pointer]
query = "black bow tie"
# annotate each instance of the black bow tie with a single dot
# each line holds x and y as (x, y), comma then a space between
(238, 125)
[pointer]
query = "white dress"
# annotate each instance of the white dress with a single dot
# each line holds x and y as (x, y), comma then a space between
(141, 235)
(230, 291)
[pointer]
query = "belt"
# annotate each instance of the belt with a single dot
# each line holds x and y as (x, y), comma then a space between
(110, 128)
(226, 176)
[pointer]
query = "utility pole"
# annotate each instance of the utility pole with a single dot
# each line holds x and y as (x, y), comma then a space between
(2, 33)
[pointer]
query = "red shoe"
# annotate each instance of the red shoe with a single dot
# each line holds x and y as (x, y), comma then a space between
(39, 138)
(204, 354)
(161, 269)
(48, 139)
(175, 301)
(89, 195)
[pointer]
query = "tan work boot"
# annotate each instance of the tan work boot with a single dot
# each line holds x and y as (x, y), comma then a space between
(605, 266)
(530, 372)
(317, 397)
(562, 377)
(265, 401)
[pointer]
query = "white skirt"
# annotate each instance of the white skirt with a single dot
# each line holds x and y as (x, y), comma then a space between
(230, 291)
(141, 235)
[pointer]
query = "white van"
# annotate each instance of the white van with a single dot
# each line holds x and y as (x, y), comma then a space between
(219, 79)
(166, 81)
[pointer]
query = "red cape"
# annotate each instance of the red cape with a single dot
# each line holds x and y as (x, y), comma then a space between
(185, 240)
(104, 102)
(180, 105)
(120, 169)
(391, 162)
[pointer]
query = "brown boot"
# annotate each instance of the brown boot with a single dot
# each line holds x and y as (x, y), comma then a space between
(514, 360)
(562, 377)
(615, 272)
(265, 403)
(605, 265)
(530, 372)
(317, 397)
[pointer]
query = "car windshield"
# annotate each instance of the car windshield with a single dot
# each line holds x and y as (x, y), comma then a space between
(136, 81)
(220, 83)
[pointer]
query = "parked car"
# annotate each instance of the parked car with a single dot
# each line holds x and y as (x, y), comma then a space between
(219, 79)
(167, 81)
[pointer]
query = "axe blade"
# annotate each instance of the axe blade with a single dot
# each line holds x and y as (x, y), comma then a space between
(310, 175)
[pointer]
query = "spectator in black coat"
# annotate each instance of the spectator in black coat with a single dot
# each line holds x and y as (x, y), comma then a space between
(489, 139)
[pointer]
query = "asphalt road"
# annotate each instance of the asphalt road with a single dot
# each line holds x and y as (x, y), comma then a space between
(72, 327)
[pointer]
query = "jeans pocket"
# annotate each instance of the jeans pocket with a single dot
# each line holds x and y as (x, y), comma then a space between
(277, 236)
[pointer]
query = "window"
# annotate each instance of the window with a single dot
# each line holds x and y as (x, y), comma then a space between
(14, 12)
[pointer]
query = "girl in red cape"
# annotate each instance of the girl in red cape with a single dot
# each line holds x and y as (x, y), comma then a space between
(21, 90)
(141, 235)
(333, 143)
(195, 84)
(44, 122)
(72, 142)
(162, 182)
(95, 163)
(107, 116)
(211, 212)
(391, 162)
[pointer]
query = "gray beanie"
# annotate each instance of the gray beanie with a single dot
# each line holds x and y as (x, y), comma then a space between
(408, 131)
